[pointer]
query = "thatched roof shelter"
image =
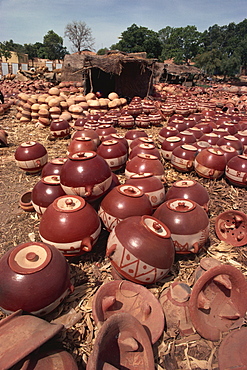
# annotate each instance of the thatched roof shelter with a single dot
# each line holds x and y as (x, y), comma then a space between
(127, 74)
(178, 74)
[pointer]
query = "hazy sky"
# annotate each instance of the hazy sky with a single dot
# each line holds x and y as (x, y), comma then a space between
(27, 21)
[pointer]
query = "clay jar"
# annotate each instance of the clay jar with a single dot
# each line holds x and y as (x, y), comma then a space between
(71, 225)
(145, 148)
(140, 140)
(60, 128)
(189, 189)
(142, 121)
(187, 137)
(34, 277)
(86, 174)
(140, 249)
(242, 136)
(210, 163)
(114, 153)
(121, 202)
(183, 156)
(144, 163)
(133, 134)
(80, 144)
(119, 137)
(150, 185)
(31, 156)
(168, 145)
(232, 141)
(166, 132)
(53, 167)
(126, 121)
(87, 133)
(236, 170)
(229, 152)
(188, 223)
(104, 130)
(45, 192)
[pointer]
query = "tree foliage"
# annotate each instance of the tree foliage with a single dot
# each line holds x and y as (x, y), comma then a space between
(53, 46)
(80, 35)
(4, 50)
(139, 39)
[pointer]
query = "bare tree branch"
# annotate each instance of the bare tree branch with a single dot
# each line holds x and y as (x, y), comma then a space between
(80, 35)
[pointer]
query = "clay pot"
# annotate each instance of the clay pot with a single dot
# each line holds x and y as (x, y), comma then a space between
(34, 277)
(118, 296)
(210, 163)
(144, 163)
(71, 225)
(236, 170)
(129, 344)
(45, 192)
(87, 133)
(166, 132)
(140, 249)
(204, 127)
(232, 141)
(31, 156)
(126, 121)
(134, 134)
(189, 189)
(196, 132)
(183, 156)
(155, 118)
(53, 167)
(179, 216)
(114, 153)
(140, 140)
(121, 202)
(229, 152)
(118, 137)
(81, 144)
(86, 174)
(142, 121)
(79, 123)
(210, 138)
(147, 106)
(231, 226)
(145, 148)
(218, 299)
(168, 145)
(134, 109)
(190, 122)
(150, 185)
(26, 202)
(60, 128)
(187, 137)
(105, 130)
(178, 124)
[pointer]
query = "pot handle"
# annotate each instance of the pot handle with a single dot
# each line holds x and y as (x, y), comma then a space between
(195, 248)
(110, 251)
(89, 190)
(86, 244)
(38, 162)
(189, 164)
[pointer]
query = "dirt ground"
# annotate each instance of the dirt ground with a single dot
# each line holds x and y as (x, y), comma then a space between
(92, 269)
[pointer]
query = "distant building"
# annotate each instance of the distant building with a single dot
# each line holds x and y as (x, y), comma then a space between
(16, 58)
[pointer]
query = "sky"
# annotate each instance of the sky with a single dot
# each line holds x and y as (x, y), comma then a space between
(27, 21)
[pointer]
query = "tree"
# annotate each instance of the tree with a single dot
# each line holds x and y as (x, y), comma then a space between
(4, 50)
(139, 39)
(102, 51)
(53, 46)
(80, 35)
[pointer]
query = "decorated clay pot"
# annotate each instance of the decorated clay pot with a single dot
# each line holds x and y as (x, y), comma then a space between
(79, 123)
(81, 144)
(142, 121)
(147, 106)
(45, 192)
(150, 185)
(105, 130)
(140, 140)
(229, 152)
(85, 174)
(179, 216)
(187, 137)
(60, 128)
(114, 153)
(71, 225)
(144, 163)
(183, 156)
(53, 167)
(121, 202)
(166, 132)
(134, 109)
(189, 189)
(155, 118)
(87, 133)
(126, 121)
(34, 277)
(145, 148)
(196, 132)
(178, 124)
(140, 249)
(242, 136)
(118, 137)
(210, 163)
(134, 134)
(236, 170)
(210, 138)
(231, 227)
(168, 145)
(31, 156)
(232, 141)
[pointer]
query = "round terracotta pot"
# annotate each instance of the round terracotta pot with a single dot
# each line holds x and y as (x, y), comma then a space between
(134, 134)
(140, 249)
(196, 132)
(150, 185)
(26, 202)
(79, 123)
(105, 130)
(210, 138)
(178, 124)
(34, 277)
(168, 145)
(189, 189)
(166, 132)
(145, 148)
(140, 140)
(142, 121)
(183, 156)
(210, 163)
(118, 137)
(232, 141)
(147, 106)
(121, 202)
(71, 225)
(53, 167)
(114, 153)
(60, 128)
(229, 152)
(155, 118)
(126, 121)
(87, 133)
(81, 144)
(236, 170)
(85, 174)
(187, 137)
(134, 109)
(144, 163)
(242, 136)
(31, 156)
(45, 192)
(179, 216)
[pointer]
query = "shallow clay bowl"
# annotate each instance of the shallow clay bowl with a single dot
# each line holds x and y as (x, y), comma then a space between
(125, 296)
(231, 227)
